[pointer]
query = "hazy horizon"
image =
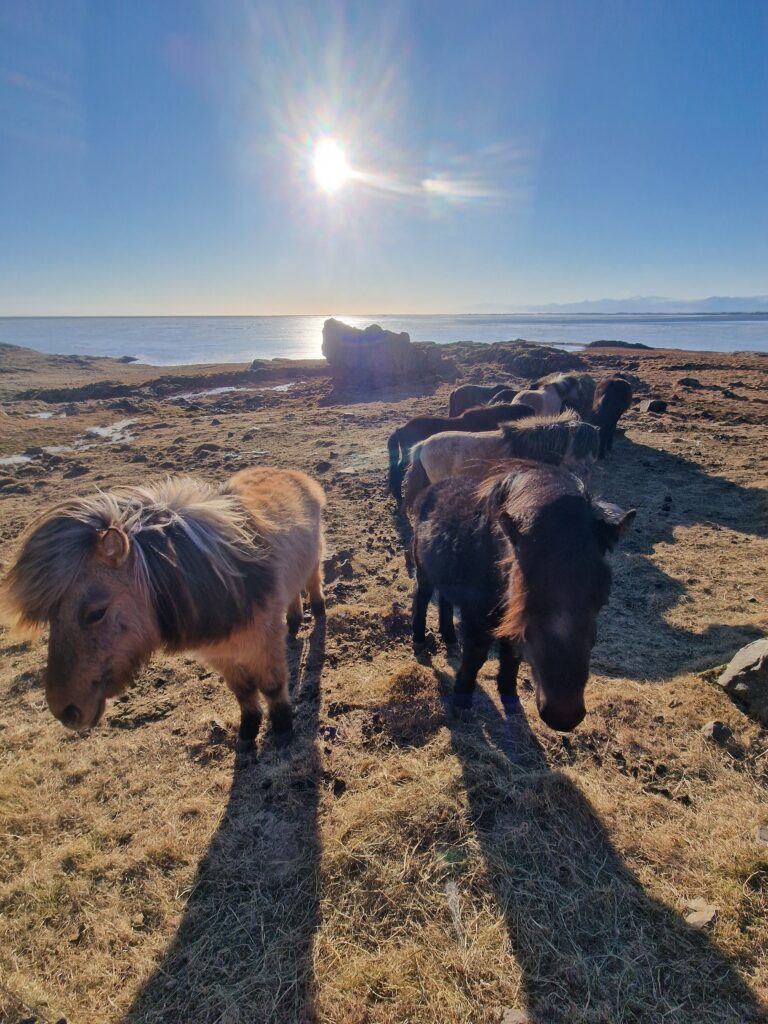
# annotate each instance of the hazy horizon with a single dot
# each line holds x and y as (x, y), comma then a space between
(742, 305)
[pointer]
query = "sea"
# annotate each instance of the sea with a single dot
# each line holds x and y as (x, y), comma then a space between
(167, 341)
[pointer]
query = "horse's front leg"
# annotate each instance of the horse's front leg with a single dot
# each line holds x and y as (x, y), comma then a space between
(421, 598)
(447, 628)
(256, 665)
(243, 684)
(509, 664)
(474, 654)
(272, 675)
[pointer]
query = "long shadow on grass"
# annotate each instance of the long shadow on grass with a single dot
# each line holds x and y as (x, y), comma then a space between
(591, 944)
(671, 491)
(636, 640)
(243, 950)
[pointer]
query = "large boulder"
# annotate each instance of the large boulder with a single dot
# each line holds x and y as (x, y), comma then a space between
(745, 679)
(375, 358)
(529, 360)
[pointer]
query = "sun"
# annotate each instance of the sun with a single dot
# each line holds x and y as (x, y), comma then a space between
(330, 165)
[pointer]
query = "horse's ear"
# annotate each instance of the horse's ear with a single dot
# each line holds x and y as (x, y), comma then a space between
(611, 523)
(113, 547)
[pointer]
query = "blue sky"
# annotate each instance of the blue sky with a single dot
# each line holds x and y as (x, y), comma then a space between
(157, 156)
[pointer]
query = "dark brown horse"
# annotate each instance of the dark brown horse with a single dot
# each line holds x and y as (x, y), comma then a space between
(523, 558)
(504, 397)
(404, 438)
(613, 396)
(470, 395)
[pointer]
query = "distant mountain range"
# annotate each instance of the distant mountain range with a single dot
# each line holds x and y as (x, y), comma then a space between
(642, 304)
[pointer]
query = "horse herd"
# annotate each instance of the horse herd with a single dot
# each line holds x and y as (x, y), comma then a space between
(504, 529)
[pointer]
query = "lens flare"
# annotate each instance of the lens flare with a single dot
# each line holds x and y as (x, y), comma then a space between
(330, 165)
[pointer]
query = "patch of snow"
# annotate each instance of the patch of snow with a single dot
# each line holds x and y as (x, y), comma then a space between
(15, 460)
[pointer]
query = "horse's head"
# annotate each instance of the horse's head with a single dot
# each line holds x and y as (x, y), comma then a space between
(558, 582)
(81, 578)
(101, 632)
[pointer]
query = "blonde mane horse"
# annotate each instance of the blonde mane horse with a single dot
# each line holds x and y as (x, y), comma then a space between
(554, 439)
(178, 565)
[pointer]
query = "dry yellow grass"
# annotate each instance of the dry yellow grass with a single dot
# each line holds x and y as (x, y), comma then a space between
(394, 865)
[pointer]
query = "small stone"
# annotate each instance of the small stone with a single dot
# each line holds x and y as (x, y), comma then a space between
(717, 731)
(77, 470)
(322, 467)
(510, 1016)
(690, 382)
(761, 834)
(746, 679)
(215, 422)
(217, 730)
(702, 913)
(656, 405)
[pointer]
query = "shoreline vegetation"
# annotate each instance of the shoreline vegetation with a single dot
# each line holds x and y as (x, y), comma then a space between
(393, 863)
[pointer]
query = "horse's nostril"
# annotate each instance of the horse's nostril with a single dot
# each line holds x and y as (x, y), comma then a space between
(70, 716)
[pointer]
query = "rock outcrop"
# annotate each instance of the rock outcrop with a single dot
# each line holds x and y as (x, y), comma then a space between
(745, 679)
(529, 360)
(374, 358)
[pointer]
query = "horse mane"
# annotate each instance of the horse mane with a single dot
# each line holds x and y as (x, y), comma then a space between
(541, 438)
(534, 497)
(560, 380)
(197, 554)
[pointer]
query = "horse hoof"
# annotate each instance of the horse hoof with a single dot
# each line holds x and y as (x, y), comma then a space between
(462, 705)
(294, 625)
(512, 705)
(281, 719)
(244, 747)
(426, 646)
(462, 714)
(282, 738)
(318, 609)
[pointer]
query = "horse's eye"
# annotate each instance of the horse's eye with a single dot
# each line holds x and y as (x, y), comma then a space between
(94, 616)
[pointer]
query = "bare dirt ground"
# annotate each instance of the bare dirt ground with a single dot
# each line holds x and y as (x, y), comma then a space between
(394, 865)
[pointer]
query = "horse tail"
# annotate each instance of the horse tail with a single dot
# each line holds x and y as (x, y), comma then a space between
(396, 464)
(416, 479)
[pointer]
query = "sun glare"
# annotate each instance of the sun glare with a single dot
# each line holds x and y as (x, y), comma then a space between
(330, 165)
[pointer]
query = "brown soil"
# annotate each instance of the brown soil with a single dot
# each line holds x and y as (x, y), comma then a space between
(394, 865)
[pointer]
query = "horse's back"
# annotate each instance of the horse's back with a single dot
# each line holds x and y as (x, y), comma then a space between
(271, 491)
(287, 506)
(457, 453)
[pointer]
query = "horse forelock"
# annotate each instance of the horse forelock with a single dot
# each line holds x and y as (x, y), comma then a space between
(51, 555)
(187, 540)
(554, 560)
